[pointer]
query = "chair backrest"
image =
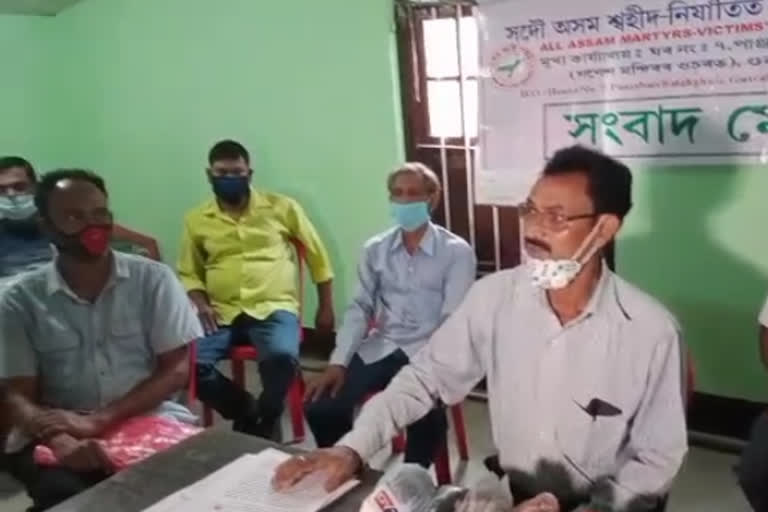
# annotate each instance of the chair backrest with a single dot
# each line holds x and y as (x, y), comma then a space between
(126, 240)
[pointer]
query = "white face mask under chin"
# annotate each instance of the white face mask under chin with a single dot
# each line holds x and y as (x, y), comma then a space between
(551, 274)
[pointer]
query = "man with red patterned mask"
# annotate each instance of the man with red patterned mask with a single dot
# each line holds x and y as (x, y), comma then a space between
(76, 218)
(87, 342)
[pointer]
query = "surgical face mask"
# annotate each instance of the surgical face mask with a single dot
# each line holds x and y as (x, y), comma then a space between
(410, 216)
(555, 274)
(16, 208)
(231, 189)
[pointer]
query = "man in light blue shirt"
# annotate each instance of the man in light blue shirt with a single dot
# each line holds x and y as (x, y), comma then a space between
(23, 247)
(410, 279)
(86, 342)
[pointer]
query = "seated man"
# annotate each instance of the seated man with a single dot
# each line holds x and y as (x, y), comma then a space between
(86, 342)
(410, 279)
(23, 246)
(237, 263)
(583, 369)
(753, 468)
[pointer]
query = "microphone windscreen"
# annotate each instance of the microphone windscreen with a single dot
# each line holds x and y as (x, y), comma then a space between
(485, 496)
(447, 497)
(407, 489)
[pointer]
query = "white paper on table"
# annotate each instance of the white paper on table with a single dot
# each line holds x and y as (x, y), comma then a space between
(245, 485)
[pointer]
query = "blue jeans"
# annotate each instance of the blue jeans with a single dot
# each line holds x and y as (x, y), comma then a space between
(277, 340)
(331, 418)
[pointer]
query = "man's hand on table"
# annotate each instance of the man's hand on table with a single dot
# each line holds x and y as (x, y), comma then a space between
(80, 454)
(339, 463)
(51, 422)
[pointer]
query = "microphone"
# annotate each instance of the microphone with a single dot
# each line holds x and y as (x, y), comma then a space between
(408, 489)
(448, 498)
(485, 496)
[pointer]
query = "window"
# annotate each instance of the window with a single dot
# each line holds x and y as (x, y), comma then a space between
(438, 43)
(439, 66)
(445, 42)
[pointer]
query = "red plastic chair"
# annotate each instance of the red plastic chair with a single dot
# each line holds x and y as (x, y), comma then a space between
(240, 354)
(135, 242)
(442, 460)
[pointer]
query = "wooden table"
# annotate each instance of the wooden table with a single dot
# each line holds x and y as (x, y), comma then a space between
(143, 485)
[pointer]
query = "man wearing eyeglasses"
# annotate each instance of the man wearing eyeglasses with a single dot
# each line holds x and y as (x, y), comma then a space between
(238, 264)
(583, 369)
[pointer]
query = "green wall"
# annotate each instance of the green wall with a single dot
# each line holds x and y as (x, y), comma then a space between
(139, 89)
(307, 86)
(25, 129)
(696, 240)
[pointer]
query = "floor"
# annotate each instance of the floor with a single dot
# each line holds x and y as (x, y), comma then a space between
(706, 483)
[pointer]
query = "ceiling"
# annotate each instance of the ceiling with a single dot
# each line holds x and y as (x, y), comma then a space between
(35, 7)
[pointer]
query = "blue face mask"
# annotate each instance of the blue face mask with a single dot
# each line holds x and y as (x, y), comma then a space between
(410, 216)
(231, 189)
(20, 207)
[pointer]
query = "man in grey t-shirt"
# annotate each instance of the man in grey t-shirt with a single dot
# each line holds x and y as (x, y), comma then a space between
(86, 342)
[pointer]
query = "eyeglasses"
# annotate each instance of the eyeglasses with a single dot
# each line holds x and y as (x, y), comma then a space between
(552, 220)
(74, 221)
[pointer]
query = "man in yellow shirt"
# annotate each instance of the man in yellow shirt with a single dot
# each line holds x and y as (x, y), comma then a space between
(238, 266)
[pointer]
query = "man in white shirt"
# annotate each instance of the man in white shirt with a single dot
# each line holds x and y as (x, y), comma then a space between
(753, 468)
(583, 369)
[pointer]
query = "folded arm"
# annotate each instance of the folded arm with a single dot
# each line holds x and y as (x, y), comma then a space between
(170, 376)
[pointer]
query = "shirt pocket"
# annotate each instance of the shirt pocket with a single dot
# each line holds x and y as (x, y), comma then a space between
(59, 356)
(590, 443)
(127, 333)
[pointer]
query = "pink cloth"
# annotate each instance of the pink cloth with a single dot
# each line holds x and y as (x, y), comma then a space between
(132, 441)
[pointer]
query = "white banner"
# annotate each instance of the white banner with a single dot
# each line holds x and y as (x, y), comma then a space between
(646, 81)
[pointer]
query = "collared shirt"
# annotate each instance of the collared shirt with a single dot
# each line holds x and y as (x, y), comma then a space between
(248, 265)
(402, 298)
(20, 254)
(87, 355)
(543, 380)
